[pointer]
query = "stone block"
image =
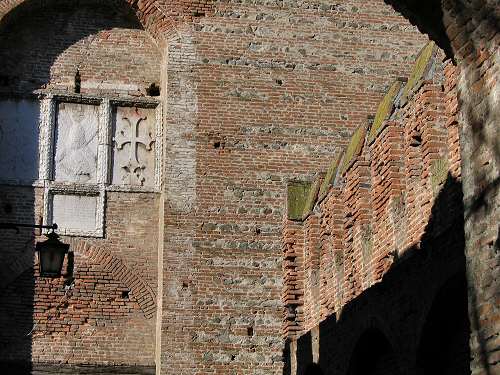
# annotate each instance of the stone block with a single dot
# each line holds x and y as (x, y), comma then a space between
(331, 174)
(298, 192)
(75, 143)
(134, 146)
(384, 110)
(354, 149)
(75, 213)
(19, 134)
(422, 69)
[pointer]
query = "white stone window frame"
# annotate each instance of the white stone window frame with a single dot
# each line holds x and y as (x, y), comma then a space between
(48, 107)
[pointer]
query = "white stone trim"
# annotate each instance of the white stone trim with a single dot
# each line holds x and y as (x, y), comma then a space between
(105, 144)
(47, 124)
(159, 147)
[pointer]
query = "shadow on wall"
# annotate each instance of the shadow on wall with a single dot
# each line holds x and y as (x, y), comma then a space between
(16, 296)
(313, 369)
(373, 354)
(480, 140)
(444, 343)
(473, 28)
(404, 323)
(33, 37)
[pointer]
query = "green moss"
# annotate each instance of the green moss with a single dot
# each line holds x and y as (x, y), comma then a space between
(422, 66)
(384, 110)
(439, 173)
(330, 174)
(354, 148)
(297, 195)
(312, 197)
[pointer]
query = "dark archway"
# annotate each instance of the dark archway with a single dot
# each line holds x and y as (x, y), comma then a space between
(373, 355)
(42, 45)
(42, 55)
(444, 343)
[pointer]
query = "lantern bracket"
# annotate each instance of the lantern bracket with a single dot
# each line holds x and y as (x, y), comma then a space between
(16, 226)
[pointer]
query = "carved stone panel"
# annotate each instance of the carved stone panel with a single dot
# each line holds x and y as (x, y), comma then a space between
(75, 213)
(134, 146)
(75, 143)
(19, 134)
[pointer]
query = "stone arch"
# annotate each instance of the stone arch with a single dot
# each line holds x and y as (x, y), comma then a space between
(11, 9)
(85, 37)
(444, 340)
(373, 354)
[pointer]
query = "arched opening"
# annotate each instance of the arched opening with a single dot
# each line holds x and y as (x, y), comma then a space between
(46, 47)
(373, 355)
(444, 343)
(74, 77)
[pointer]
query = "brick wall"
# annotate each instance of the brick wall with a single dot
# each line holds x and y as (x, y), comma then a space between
(395, 206)
(257, 95)
(469, 32)
(107, 318)
(254, 95)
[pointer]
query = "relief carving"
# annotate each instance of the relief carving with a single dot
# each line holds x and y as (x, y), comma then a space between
(76, 139)
(133, 161)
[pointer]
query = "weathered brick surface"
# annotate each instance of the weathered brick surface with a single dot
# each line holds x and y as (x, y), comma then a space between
(397, 202)
(254, 94)
(108, 316)
(469, 32)
(257, 95)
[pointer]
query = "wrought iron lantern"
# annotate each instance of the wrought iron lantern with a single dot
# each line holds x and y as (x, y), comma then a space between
(51, 255)
(51, 252)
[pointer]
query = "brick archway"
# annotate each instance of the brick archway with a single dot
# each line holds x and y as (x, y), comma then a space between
(156, 19)
(99, 256)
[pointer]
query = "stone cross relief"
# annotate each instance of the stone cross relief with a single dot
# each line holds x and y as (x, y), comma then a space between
(133, 131)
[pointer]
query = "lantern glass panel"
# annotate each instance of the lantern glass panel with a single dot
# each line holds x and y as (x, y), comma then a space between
(51, 254)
